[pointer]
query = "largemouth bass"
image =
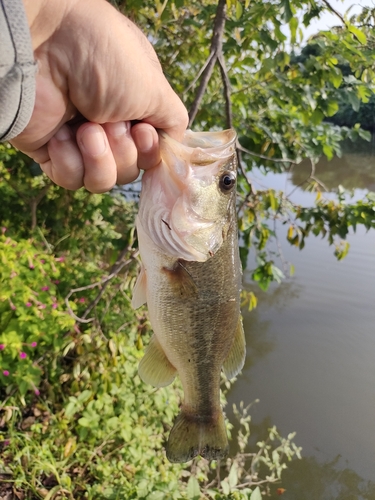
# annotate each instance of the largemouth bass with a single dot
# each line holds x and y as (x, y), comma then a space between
(191, 281)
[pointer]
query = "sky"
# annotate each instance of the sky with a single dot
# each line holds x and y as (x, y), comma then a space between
(328, 20)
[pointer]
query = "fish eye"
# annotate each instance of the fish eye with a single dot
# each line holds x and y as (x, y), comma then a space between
(227, 182)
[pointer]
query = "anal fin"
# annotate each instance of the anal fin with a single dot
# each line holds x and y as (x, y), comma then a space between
(155, 368)
(237, 354)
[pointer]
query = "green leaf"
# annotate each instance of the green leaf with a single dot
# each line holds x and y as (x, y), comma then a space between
(256, 495)
(233, 475)
(239, 10)
(278, 275)
(84, 396)
(156, 495)
(365, 134)
(264, 284)
(328, 151)
(71, 409)
(85, 422)
(51, 493)
(212, 493)
(193, 490)
(317, 117)
(272, 199)
(225, 486)
(342, 250)
(354, 101)
(293, 25)
(332, 108)
(336, 78)
(288, 14)
(361, 37)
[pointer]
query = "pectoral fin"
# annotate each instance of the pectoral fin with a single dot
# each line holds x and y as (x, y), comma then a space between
(236, 357)
(181, 280)
(140, 289)
(155, 368)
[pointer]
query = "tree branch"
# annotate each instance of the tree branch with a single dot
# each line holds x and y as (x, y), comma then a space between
(34, 202)
(311, 176)
(332, 9)
(227, 89)
(116, 268)
(252, 153)
(207, 62)
(216, 47)
(103, 283)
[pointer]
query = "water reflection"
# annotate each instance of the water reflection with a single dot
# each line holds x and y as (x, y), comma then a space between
(259, 341)
(352, 171)
(318, 477)
(311, 352)
(312, 479)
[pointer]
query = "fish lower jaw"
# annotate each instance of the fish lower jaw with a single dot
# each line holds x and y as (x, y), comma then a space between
(166, 240)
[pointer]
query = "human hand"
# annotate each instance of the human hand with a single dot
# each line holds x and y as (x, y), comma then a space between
(96, 73)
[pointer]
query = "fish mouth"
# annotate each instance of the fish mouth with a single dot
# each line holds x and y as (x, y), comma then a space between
(199, 153)
(202, 147)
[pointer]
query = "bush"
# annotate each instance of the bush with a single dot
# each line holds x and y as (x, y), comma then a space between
(33, 322)
(75, 419)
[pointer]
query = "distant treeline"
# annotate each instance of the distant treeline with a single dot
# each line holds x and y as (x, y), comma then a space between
(349, 113)
(347, 116)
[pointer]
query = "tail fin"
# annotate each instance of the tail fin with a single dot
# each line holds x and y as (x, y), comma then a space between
(192, 436)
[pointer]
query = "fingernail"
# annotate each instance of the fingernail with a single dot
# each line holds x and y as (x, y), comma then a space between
(93, 141)
(120, 128)
(145, 141)
(63, 134)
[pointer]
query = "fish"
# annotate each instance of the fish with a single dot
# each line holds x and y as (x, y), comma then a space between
(191, 278)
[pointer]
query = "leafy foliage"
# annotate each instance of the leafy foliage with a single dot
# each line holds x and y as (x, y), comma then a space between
(75, 419)
(32, 319)
(277, 97)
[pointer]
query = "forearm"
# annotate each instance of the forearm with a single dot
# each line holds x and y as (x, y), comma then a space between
(17, 70)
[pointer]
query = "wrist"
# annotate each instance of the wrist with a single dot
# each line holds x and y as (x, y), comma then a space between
(44, 17)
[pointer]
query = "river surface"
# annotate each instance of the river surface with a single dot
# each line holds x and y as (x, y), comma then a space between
(311, 347)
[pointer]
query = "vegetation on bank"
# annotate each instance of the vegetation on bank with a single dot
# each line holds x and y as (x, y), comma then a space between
(75, 419)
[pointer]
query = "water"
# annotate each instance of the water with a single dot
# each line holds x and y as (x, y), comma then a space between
(311, 349)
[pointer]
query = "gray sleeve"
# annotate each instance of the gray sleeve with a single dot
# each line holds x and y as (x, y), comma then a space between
(17, 70)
